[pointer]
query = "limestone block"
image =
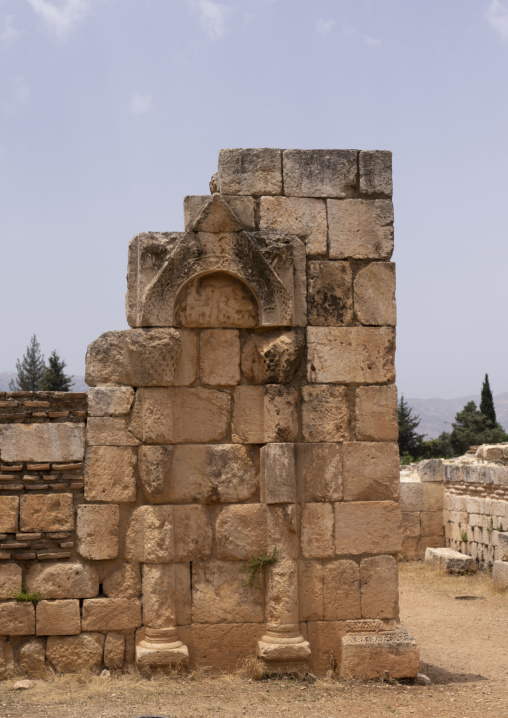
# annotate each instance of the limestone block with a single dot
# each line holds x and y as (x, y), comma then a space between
(159, 596)
(278, 484)
(367, 527)
(222, 646)
(219, 357)
(369, 657)
(97, 530)
(47, 512)
(371, 471)
(250, 171)
(374, 288)
(43, 442)
(411, 496)
(310, 591)
(149, 536)
(110, 473)
(431, 470)
(9, 509)
(376, 172)
(450, 561)
(123, 582)
(183, 597)
(17, 619)
(379, 587)
(155, 465)
(248, 415)
(317, 531)
(502, 539)
(10, 579)
(111, 614)
(58, 618)
(325, 415)
(282, 530)
(433, 496)
(63, 580)
(218, 595)
(32, 658)
(319, 173)
(193, 533)
(136, 357)
(73, 654)
(280, 416)
(411, 524)
(432, 523)
(241, 206)
(319, 471)
(240, 532)
(325, 639)
(376, 413)
(330, 293)
(360, 228)
(356, 355)
(181, 415)
(109, 431)
(341, 590)
(500, 574)
(114, 651)
(109, 400)
(272, 357)
(305, 218)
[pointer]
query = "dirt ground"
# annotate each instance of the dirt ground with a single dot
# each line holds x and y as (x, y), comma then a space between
(464, 651)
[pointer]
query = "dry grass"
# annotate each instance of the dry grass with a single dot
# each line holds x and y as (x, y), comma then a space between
(469, 584)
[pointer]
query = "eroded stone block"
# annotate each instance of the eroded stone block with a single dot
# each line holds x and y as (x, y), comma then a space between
(280, 417)
(241, 206)
(109, 400)
(97, 530)
(124, 582)
(310, 590)
(63, 580)
(367, 657)
(58, 618)
(278, 483)
(240, 532)
(367, 527)
(111, 614)
(376, 413)
(374, 288)
(114, 650)
(149, 536)
(360, 228)
(109, 431)
(431, 470)
(379, 587)
(32, 658)
(371, 471)
(272, 357)
(341, 590)
(193, 533)
(219, 357)
(218, 595)
(9, 510)
(319, 471)
(159, 596)
(17, 619)
(250, 171)
(376, 172)
(248, 415)
(110, 473)
(43, 442)
(73, 654)
(319, 173)
(304, 217)
(325, 415)
(330, 293)
(10, 580)
(47, 512)
(317, 531)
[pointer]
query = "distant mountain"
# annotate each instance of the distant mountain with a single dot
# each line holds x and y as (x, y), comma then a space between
(78, 381)
(437, 414)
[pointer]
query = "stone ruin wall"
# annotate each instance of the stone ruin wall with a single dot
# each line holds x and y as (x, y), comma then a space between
(250, 410)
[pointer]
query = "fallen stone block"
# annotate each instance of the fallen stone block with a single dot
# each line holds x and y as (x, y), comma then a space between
(379, 655)
(450, 561)
(500, 574)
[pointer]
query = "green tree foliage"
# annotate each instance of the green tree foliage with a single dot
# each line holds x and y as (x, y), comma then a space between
(409, 441)
(471, 428)
(487, 402)
(30, 370)
(439, 448)
(54, 378)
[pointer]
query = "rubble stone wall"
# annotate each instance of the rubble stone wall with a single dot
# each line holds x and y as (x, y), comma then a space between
(248, 415)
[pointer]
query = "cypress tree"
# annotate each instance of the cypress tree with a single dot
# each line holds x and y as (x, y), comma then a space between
(30, 370)
(54, 377)
(487, 402)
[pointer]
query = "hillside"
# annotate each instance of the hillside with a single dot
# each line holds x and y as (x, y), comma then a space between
(437, 414)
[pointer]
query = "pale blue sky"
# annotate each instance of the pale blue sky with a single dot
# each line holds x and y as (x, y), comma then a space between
(112, 110)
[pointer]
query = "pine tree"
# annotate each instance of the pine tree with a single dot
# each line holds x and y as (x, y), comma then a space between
(409, 441)
(487, 402)
(54, 378)
(472, 428)
(30, 370)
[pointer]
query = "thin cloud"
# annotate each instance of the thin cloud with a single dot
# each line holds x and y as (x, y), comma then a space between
(371, 41)
(19, 97)
(9, 32)
(141, 104)
(324, 26)
(60, 18)
(497, 16)
(212, 16)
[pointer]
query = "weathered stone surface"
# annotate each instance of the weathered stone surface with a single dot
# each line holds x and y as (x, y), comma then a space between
(216, 300)
(305, 218)
(193, 533)
(282, 528)
(43, 442)
(341, 590)
(241, 206)
(159, 596)
(109, 400)
(411, 496)
(376, 413)
(356, 355)
(97, 530)
(500, 574)
(109, 431)
(330, 293)
(110, 473)
(32, 658)
(393, 654)
(10, 579)
(111, 614)
(450, 561)
(186, 415)
(280, 414)
(376, 172)
(250, 171)
(114, 650)
(272, 357)
(371, 471)
(9, 509)
(325, 639)
(136, 357)
(319, 471)
(282, 592)
(319, 173)
(43, 512)
(219, 357)
(367, 527)
(248, 415)
(310, 590)
(240, 532)
(149, 536)
(73, 654)
(325, 415)
(432, 523)
(379, 587)
(58, 618)
(360, 229)
(502, 546)
(411, 526)
(317, 531)
(222, 646)
(218, 595)
(63, 580)
(278, 484)
(124, 582)
(17, 619)
(431, 470)
(155, 466)
(374, 288)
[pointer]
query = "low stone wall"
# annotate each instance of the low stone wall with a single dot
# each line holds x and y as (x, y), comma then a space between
(421, 503)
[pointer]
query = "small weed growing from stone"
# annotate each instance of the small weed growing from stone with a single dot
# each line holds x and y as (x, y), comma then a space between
(256, 564)
(463, 536)
(26, 597)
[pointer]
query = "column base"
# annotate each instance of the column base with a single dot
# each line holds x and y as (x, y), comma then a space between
(160, 647)
(284, 650)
